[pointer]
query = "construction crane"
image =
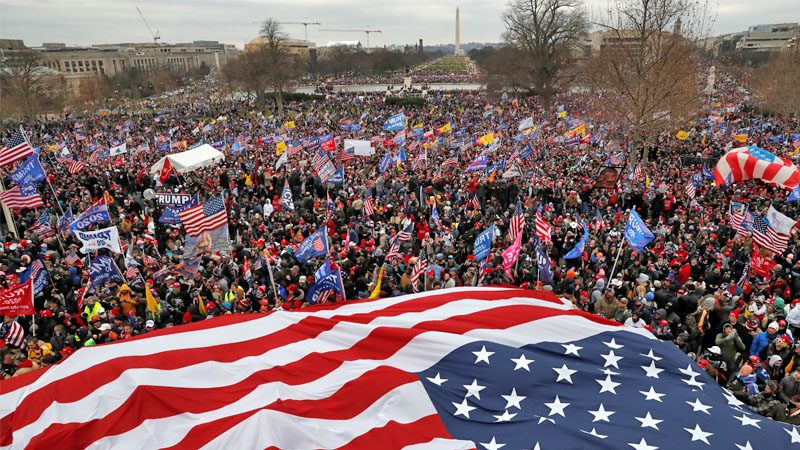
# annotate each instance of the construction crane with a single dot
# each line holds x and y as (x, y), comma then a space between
(155, 35)
(304, 24)
(355, 31)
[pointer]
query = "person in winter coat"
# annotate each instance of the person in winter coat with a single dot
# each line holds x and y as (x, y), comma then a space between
(790, 386)
(768, 403)
(730, 344)
(762, 340)
(743, 385)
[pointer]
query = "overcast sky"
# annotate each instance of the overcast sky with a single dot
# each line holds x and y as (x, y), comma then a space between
(84, 22)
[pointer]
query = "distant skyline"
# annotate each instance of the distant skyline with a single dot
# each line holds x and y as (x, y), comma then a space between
(87, 22)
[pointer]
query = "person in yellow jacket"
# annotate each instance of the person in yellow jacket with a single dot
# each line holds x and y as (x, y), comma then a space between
(38, 349)
(126, 300)
(90, 309)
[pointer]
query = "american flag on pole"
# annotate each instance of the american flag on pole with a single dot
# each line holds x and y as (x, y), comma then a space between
(517, 223)
(450, 162)
(75, 167)
(13, 333)
(369, 208)
(22, 197)
(16, 148)
(486, 368)
(691, 189)
(207, 216)
(405, 233)
(72, 258)
(420, 160)
(419, 269)
(394, 248)
(42, 226)
(543, 231)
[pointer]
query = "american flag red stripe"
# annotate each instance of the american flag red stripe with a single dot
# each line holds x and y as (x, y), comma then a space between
(16, 148)
(451, 162)
(75, 167)
(691, 190)
(369, 208)
(323, 388)
(15, 199)
(766, 236)
(419, 269)
(15, 335)
(517, 223)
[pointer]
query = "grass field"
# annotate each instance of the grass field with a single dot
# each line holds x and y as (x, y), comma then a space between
(453, 64)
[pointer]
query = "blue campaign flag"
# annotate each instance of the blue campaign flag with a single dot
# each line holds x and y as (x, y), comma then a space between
(66, 219)
(169, 217)
(102, 270)
(636, 232)
(396, 122)
(30, 171)
(435, 217)
(323, 270)
(501, 166)
(38, 273)
(355, 127)
(543, 262)
(96, 213)
(333, 280)
(386, 162)
(708, 174)
(402, 154)
(478, 163)
(283, 292)
(337, 177)
(237, 147)
(316, 244)
(525, 153)
(419, 132)
(577, 251)
(483, 243)
(794, 195)
(526, 123)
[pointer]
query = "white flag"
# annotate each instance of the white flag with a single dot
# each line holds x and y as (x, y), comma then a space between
(118, 150)
(779, 221)
(95, 240)
(282, 160)
(359, 147)
(512, 172)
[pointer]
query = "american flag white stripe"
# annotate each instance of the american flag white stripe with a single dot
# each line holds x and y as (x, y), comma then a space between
(75, 166)
(691, 190)
(513, 318)
(543, 230)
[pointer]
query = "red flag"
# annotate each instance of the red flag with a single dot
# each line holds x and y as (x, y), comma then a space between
(166, 171)
(17, 300)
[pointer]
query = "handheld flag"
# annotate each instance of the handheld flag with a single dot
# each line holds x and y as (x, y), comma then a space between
(636, 232)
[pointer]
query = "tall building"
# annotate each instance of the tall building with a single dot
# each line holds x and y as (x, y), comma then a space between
(458, 50)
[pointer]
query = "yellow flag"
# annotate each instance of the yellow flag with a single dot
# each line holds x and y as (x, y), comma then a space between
(682, 135)
(580, 130)
(289, 124)
(562, 114)
(376, 292)
(152, 305)
(445, 128)
(280, 148)
(742, 138)
(109, 198)
(200, 305)
(486, 139)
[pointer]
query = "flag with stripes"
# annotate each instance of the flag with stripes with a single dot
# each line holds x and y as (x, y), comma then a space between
(16, 148)
(450, 162)
(75, 167)
(204, 217)
(286, 197)
(543, 230)
(405, 233)
(475, 203)
(772, 231)
(369, 208)
(22, 197)
(72, 258)
(13, 333)
(751, 162)
(42, 226)
(517, 223)
(487, 368)
(420, 160)
(419, 269)
(691, 189)
(394, 248)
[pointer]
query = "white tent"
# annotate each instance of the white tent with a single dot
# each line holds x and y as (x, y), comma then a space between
(193, 159)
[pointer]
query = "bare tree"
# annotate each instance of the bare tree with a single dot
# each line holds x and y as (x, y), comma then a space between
(279, 65)
(646, 70)
(776, 85)
(27, 88)
(547, 33)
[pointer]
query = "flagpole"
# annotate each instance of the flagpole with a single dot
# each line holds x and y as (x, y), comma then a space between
(613, 269)
(12, 227)
(272, 279)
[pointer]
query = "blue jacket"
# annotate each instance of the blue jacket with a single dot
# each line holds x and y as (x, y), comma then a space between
(761, 341)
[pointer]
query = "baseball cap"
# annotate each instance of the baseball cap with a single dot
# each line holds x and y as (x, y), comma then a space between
(149, 323)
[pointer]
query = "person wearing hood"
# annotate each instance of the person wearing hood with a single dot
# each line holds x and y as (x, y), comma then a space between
(729, 344)
(763, 339)
(126, 300)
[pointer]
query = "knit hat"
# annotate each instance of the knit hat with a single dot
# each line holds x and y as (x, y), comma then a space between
(773, 325)
(774, 359)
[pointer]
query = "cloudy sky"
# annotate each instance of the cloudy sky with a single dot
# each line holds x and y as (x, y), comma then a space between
(84, 22)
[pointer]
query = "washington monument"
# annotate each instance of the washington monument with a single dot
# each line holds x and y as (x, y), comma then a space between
(458, 51)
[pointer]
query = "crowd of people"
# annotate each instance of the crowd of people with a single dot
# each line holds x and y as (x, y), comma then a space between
(692, 284)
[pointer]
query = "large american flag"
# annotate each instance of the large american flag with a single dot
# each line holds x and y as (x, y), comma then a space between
(517, 223)
(751, 162)
(204, 217)
(485, 368)
(16, 148)
(22, 197)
